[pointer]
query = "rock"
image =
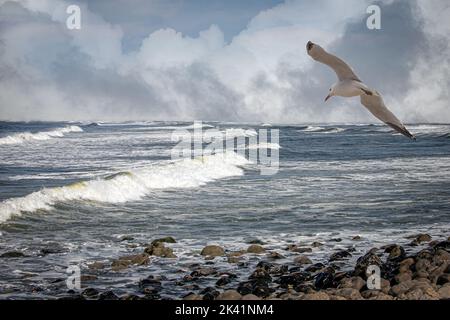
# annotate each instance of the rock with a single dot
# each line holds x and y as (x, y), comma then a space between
(234, 259)
(261, 274)
(301, 260)
(404, 276)
(96, 265)
(316, 296)
(275, 255)
(405, 265)
(444, 292)
(301, 249)
(90, 293)
(349, 293)
(52, 249)
(229, 295)
(203, 272)
(356, 238)
(250, 297)
(126, 238)
(356, 283)
(87, 277)
(315, 267)
(126, 261)
(443, 279)
(150, 285)
(423, 237)
(108, 295)
(376, 295)
(255, 248)
(324, 280)
(256, 241)
(223, 281)
(164, 239)
(12, 254)
(336, 239)
(293, 279)
(340, 255)
(443, 245)
(160, 250)
(316, 244)
(130, 297)
(236, 253)
(370, 258)
(441, 257)
(209, 293)
(192, 296)
(213, 250)
(396, 253)
(422, 265)
(272, 268)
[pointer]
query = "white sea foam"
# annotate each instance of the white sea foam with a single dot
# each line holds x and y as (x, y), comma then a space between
(37, 136)
(131, 185)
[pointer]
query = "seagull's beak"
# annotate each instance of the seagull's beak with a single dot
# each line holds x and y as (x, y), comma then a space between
(327, 97)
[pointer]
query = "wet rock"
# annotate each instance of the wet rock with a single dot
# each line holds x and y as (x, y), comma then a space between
(396, 252)
(88, 277)
(301, 260)
(370, 258)
(126, 238)
(256, 241)
(423, 237)
(403, 276)
(340, 255)
(261, 274)
(275, 255)
(209, 293)
(273, 268)
(250, 297)
(234, 259)
(150, 285)
(203, 272)
(349, 293)
(315, 267)
(316, 244)
(192, 296)
(444, 292)
(72, 297)
(356, 283)
(213, 250)
(297, 249)
(163, 240)
(356, 238)
(236, 253)
(130, 297)
(441, 257)
(108, 295)
(305, 288)
(90, 293)
(443, 279)
(52, 249)
(160, 250)
(12, 254)
(224, 280)
(324, 280)
(443, 245)
(336, 239)
(405, 265)
(257, 287)
(256, 248)
(96, 265)
(126, 261)
(316, 296)
(229, 295)
(375, 295)
(293, 279)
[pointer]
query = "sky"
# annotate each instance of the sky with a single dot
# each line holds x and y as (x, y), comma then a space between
(220, 60)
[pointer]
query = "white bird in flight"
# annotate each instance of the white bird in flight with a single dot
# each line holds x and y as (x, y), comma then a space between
(349, 85)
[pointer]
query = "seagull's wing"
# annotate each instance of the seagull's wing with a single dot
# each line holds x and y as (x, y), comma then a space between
(343, 70)
(375, 104)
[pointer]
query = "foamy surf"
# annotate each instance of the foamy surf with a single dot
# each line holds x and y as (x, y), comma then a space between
(131, 185)
(38, 136)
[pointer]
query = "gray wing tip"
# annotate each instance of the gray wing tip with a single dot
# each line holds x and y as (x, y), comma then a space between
(309, 46)
(402, 130)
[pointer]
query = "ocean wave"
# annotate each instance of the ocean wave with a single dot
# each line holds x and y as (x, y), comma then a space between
(38, 136)
(265, 145)
(322, 129)
(131, 185)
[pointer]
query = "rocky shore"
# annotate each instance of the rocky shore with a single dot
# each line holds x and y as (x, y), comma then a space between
(418, 269)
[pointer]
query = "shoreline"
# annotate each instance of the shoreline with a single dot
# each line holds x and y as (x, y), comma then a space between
(416, 269)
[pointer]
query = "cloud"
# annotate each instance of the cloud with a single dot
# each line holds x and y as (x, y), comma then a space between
(261, 74)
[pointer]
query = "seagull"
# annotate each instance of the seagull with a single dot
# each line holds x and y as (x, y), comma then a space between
(349, 85)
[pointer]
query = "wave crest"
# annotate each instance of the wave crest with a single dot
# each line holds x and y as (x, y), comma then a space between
(38, 136)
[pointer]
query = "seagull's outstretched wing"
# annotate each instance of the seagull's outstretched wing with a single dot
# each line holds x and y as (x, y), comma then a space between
(343, 70)
(375, 104)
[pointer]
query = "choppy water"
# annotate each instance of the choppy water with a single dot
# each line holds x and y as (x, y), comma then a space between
(81, 187)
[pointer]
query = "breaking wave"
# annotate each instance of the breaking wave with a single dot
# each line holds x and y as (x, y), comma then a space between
(131, 185)
(38, 136)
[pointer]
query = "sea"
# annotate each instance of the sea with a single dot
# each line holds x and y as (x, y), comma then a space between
(73, 193)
